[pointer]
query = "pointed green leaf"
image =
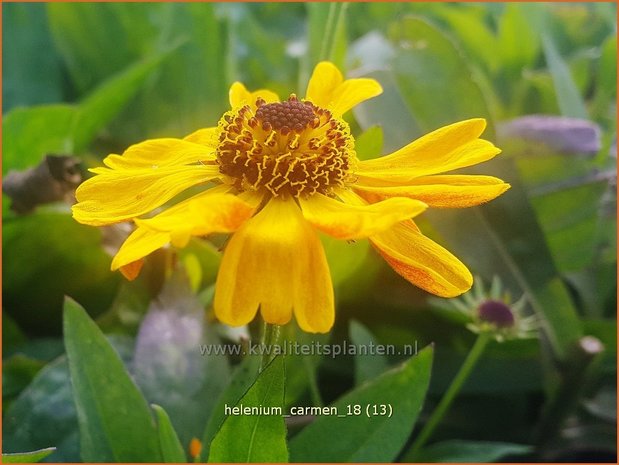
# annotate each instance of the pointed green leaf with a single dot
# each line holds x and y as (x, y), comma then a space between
(31, 133)
(171, 448)
(435, 79)
(30, 424)
(114, 419)
(570, 101)
(31, 73)
(367, 437)
(369, 366)
(259, 437)
(242, 379)
(97, 40)
(517, 44)
(105, 102)
(470, 451)
(27, 457)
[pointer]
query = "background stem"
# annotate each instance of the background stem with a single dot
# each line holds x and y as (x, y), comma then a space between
(451, 393)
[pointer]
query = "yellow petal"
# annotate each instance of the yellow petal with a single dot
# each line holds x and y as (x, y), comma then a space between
(448, 148)
(275, 261)
(422, 261)
(444, 191)
(239, 95)
(139, 244)
(117, 195)
(201, 215)
(349, 221)
(328, 89)
(325, 78)
(159, 153)
(207, 137)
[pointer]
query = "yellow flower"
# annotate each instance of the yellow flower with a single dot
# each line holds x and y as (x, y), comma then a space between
(275, 173)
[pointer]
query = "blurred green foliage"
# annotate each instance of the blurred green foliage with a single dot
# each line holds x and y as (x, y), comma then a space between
(88, 79)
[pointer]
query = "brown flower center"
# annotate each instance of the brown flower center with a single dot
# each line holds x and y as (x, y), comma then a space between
(291, 114)
(496, 312)
(290, 148)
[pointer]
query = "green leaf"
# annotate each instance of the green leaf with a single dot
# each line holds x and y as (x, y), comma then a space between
(17, 372)
(473, 34)
(28, 457)
(434, 78)
(260, 437)
(171, 448)
(31, 133)
(12, 335)
(572, 220)
(570, 101)
(302, 369)
(607, 71)
(367, 367)
(48, 255)
(98, 39)
(370, 143)
(366, 438)
(44, 413)
(517, 44)
(242, 379)
(31, 68)
(457, 451)
(104, 103)
(114, 419)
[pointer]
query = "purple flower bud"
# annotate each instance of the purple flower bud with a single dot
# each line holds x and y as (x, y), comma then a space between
(564, 135)
(496, 313)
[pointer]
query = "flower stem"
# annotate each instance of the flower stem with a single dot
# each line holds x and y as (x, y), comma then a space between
(451, 393)
(269, 339)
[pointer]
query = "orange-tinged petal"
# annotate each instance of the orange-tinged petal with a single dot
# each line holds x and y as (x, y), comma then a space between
(198, 216)
(328, 89)
(159, 153)
(275, 261)
(448, 148)
(239, 95)
(132, 270)
(117, 195)
(422, 261)
(444, 191)
(353, 221)
(206, 136)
